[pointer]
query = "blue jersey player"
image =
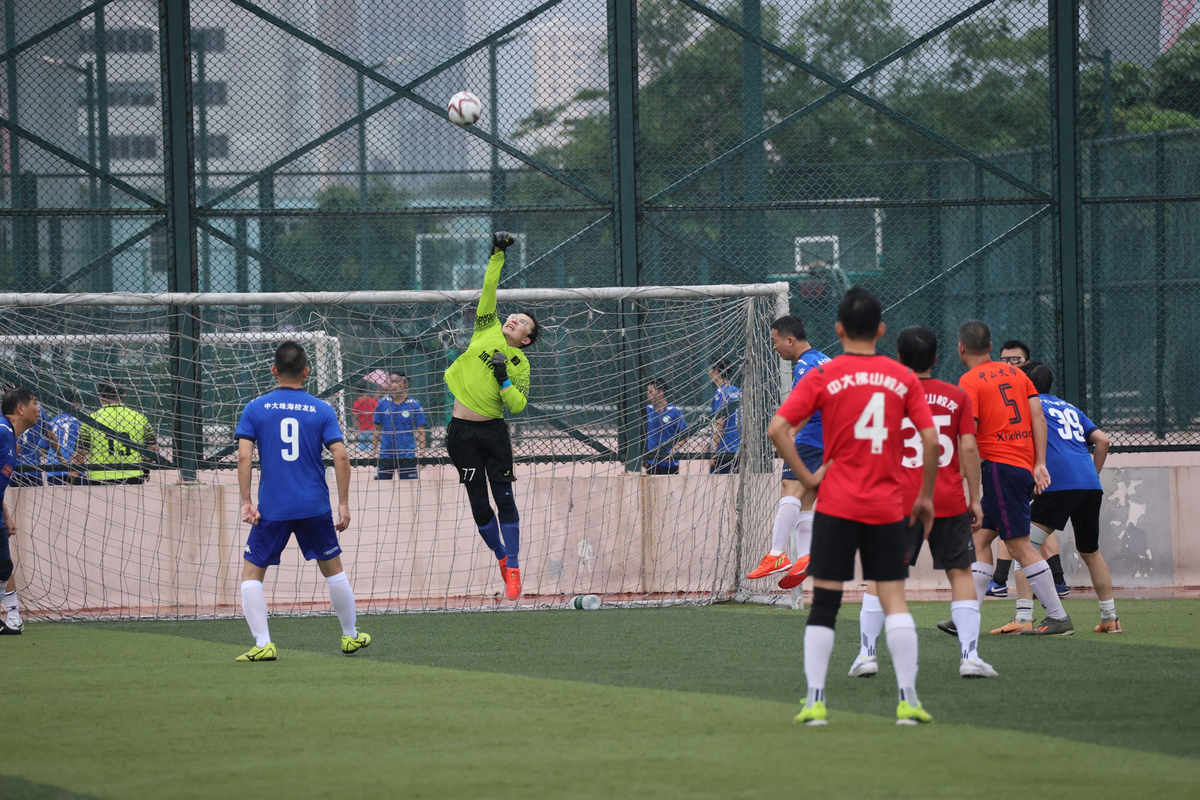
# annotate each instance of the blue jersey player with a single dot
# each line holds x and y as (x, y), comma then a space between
(1075, 453)
(21, 412)
(795, 502)
(665, 426)
(63, 429)
(400, 429)
(291, 427)
(727, 420)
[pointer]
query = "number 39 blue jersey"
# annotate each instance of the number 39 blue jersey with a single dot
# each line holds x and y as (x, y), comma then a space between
(1067, 457)
(290, 427)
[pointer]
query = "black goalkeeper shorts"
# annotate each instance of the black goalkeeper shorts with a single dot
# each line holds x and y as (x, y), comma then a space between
(480, 450)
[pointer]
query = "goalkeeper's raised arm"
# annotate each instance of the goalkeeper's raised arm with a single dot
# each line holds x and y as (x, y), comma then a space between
(490, 376)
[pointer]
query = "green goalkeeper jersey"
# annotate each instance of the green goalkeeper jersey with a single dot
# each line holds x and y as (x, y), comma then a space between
(470, 378)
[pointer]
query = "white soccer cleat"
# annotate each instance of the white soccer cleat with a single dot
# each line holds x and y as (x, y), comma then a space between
(976, 668)
(13, 623)
(864, 667)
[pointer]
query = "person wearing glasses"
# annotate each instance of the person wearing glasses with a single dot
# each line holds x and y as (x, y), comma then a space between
(491, 377)
(1014, 352)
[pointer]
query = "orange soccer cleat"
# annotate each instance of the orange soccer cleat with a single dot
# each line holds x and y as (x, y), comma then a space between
(1109, 626)
(512, 583)
(503, 569)
(770, 565)
(1013, 626)
(797, 575)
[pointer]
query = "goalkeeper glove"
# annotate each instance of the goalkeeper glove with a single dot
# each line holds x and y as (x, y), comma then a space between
(500, 368)
(501, 241)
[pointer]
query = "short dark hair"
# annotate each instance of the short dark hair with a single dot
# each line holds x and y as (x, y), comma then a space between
(70, 397)
(860, 313)
(290, 359)
(1016, 344)
(19, 396)
(109, 390)
(722, 367)
(790, 326)
(917, 347)
(659, 383)
(533, 334)
(975, 336)
(1040, 376)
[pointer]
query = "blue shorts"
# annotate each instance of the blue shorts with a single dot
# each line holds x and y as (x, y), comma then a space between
(315, 535)
(1007, 491)
(812, 457)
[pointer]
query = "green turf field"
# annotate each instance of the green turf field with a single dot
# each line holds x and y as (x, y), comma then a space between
(687, 702)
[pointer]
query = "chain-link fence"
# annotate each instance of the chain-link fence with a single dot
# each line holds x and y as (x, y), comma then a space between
(1031, 163)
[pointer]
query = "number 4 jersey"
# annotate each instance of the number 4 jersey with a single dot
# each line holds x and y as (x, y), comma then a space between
(953, 416)
(1067, 457)
(290, 427)
(863, 401)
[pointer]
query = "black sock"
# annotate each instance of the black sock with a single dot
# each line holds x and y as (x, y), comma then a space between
(1056, 569)
(1003, 565)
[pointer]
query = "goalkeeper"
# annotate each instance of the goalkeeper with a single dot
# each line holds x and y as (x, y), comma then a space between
(491, 375)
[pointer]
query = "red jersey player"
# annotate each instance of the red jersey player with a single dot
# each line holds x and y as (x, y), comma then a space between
(863, 399)
(954, 519)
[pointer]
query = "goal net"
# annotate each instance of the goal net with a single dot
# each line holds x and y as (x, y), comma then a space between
(590, 522)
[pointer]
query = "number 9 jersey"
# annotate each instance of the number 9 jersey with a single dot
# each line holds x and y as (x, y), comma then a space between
(291, 427)
(863, 401)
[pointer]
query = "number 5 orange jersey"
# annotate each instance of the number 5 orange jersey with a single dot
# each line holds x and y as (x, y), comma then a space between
(1000, 396)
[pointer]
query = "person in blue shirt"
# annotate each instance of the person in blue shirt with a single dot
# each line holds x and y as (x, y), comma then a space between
(290, 428)
(795, 511)
(33, 449)
(62, 440)
(1075, 453)
(665, 426)
(400, 429)
(21, 412)
(727, 420)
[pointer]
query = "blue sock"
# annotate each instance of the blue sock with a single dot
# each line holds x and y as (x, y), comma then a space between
(512, 542)
(491, 537)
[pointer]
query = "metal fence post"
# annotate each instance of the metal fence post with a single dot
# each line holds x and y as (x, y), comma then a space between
(1160, 289)
(622, 16)
(753, 166)
(176, 70)
(104, 224)
(266, 234)
(935, 244)
(1064, 91)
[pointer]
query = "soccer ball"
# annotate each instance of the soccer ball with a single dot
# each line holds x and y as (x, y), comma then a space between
(464, 109)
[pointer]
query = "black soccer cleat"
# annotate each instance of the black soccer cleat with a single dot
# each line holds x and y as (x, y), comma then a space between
(501, 240)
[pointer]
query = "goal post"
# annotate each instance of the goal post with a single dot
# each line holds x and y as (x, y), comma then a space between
(589, 525)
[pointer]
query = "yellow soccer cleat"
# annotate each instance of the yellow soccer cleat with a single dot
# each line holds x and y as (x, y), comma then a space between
(265, 653)
(813, 715)
(908, 714)
(351, 644)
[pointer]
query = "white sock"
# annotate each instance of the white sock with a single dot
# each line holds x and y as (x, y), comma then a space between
(1108, 610)
(902, 642)
(785, 520)
(870, 623)
(10, 601)
(804, 533)
(254, 606)
(342, 597)
(1024, 610)
(1042, 582)
(982, 574)
(965, 614)
(818, 646)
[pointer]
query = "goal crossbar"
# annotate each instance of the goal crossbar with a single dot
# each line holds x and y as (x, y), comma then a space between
(34, 299)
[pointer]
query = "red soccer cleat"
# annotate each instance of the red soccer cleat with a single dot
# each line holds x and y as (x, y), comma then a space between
(797, 575)
(512, 583)
(503, 569)
(770, 565)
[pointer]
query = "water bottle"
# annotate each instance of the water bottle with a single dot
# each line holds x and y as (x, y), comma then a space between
(585, 602)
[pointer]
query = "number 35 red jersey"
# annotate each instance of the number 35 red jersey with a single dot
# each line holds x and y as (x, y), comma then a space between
(863, 400)
(953, 416)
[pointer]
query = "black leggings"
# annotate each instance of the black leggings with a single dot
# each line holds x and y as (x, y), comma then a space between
(481, 509)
